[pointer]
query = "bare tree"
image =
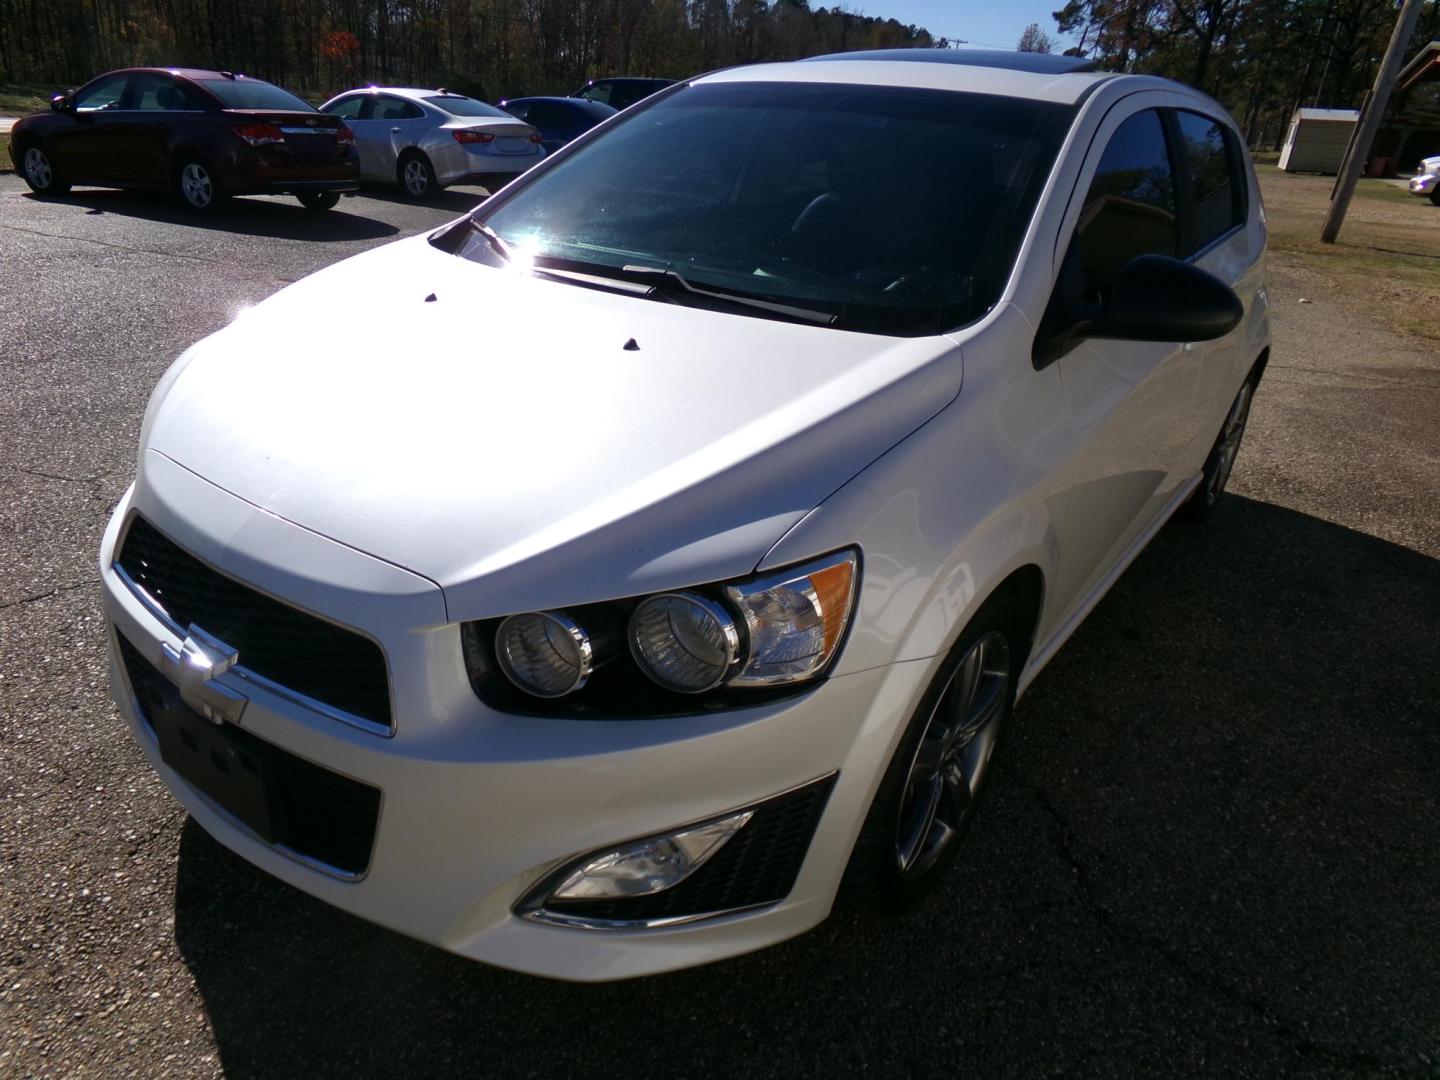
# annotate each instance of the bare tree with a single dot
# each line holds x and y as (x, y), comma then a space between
(1036, 40)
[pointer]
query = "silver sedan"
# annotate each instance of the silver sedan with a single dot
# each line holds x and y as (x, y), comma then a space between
(425, 140)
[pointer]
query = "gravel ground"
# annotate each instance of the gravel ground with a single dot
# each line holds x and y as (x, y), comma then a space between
(1210, 849)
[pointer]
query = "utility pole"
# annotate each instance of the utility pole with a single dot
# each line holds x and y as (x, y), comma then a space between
(1369, 121)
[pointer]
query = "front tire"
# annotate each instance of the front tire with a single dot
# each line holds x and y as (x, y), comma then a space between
(40, 172)
(1221, 461)
(319, 200)
(198, 186)
(1435, 195)
(928, 798)
(417, 176)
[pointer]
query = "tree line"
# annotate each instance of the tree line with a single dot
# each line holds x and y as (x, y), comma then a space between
(487, 48)
(1262, 59)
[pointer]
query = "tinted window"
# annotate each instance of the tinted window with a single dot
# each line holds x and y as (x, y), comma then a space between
(1211, 170)
(518, 109)
(242, 93)
(390, 108)
(158, 93)
(103, 93)
(348, 107)
(599, 92)
(458, 105)
(1130, 208)
(898, 210)
(552, 119)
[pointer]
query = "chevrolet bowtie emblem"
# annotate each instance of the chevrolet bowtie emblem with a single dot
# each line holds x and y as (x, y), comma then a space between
(193, 668)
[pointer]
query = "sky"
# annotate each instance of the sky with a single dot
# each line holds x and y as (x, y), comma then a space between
(985, 24)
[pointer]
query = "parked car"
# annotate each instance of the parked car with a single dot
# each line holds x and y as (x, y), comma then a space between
(425, 140)
(206, 135)
(560, 120)
(620, 92)
(1426, 182)
(606, 649)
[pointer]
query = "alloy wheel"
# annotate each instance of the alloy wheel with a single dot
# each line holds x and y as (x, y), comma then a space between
(1228, 446)
(952, 757)
(416, 179)
(37, 168)
(196, 185)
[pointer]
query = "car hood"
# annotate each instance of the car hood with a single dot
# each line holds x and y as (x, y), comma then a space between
(527, 443)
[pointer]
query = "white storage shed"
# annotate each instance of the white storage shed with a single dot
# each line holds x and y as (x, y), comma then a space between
(1317, 139)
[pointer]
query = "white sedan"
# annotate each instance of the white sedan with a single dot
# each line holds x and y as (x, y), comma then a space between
(609, 650)
(425, 140)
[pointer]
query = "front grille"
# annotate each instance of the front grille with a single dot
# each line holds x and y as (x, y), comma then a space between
(316, 813)
(323, 661)
(757, 866)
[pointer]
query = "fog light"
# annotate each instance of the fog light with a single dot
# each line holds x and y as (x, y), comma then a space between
(649, 866)
(544, 653)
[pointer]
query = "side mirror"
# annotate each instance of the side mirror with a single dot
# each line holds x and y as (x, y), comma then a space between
(1153, 298)
(60, 102)
(1157, 298)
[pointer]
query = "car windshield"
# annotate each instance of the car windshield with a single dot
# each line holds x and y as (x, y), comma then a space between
(254, 94)
(893, 210)
(456, 105)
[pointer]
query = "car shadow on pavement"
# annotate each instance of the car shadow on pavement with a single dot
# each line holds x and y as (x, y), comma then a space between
(1209, 845)
(456, 201)
(286, 220)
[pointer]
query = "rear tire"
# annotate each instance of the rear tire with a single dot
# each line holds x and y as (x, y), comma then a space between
(1216, 474)
(1435, 195)
(40, 171)
(416, 176)
(199, 187)
(319, 200)
(932, 787)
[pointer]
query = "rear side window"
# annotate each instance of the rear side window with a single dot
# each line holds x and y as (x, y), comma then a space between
(1211, 170)
(1130, 207)
(389, 108)
(158, 93)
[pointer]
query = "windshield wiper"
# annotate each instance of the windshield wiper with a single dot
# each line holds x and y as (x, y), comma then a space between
(493, 239)
(663, 275)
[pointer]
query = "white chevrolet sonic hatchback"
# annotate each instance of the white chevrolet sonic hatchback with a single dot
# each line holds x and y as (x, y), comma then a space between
(670, 538)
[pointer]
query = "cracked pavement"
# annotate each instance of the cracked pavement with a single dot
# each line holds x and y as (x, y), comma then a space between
(1210, 847)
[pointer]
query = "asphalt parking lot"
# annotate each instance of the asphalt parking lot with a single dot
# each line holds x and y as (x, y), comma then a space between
(1211, 847)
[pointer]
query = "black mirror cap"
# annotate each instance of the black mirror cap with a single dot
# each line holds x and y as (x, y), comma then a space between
(1158, 298)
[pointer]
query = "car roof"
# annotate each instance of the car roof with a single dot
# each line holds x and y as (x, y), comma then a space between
(1039, 63)
(415, 92)
(1061, 79)
(193, 74)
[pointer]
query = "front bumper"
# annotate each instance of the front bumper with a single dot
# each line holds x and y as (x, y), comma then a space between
(478, 806)
(1424, 184)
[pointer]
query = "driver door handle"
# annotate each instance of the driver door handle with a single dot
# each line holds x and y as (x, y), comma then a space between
(395, 131)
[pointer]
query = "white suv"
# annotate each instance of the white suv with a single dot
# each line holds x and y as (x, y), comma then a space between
(677, 531)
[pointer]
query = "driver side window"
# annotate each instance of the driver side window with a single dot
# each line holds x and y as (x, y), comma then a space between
(1130, 207)
(102, 94)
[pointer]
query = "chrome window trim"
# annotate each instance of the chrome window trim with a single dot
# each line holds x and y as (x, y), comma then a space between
(255, 678)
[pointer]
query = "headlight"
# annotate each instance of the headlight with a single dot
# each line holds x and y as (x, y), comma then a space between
(794, 620)
(544, 653)
(684, 641)
(732, 638)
